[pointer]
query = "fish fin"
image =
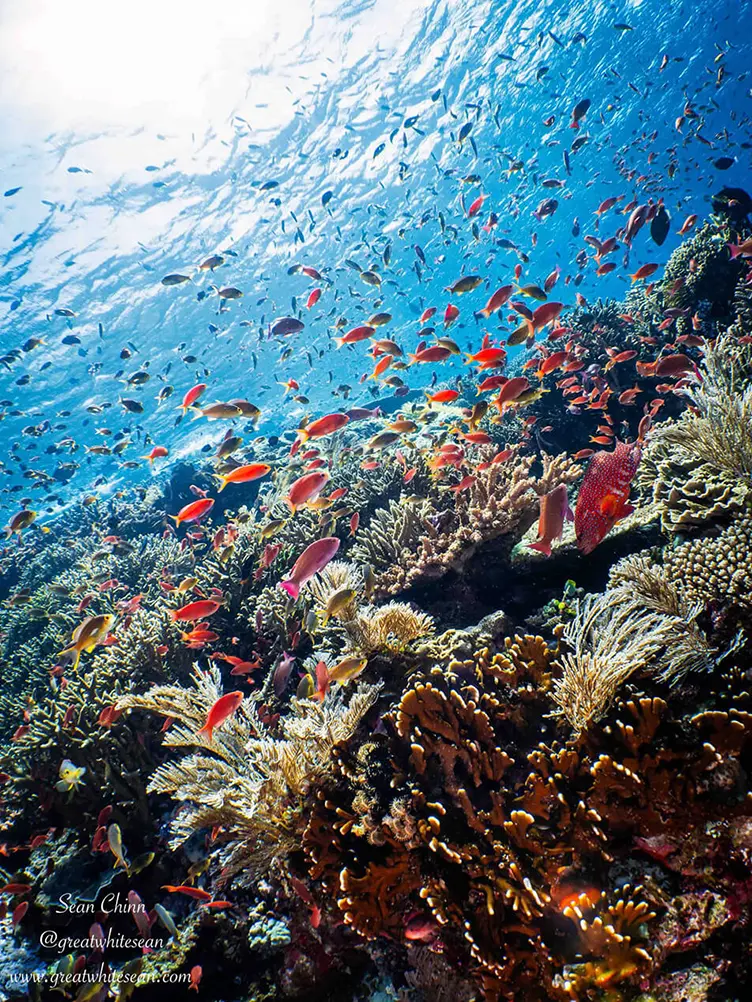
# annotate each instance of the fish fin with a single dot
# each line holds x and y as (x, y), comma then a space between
(569, 514)
(542, 547)
(208, 731)
(76, 659)
(610, 505)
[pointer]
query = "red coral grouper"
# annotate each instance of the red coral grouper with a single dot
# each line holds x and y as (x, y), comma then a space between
(602, 500)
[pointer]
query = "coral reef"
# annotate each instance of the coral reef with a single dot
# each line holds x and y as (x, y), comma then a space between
(247, 786)
(407, 543)
(444, 769)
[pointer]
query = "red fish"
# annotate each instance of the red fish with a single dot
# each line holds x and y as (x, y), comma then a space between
(192, 396)
(435, 353)
(224, 707)
(602, 500)
(158, 452)
(306, 488)
(323, 426)
(443, 396)
(313, 298)
(361, 333)
(194, 511)
(487, 357)
(644, 272)
(197, 893)
(476, 206)
(544, 315)
(450, 314)
(497, 300)
(511, 390)
(194, 611)
(243, 474)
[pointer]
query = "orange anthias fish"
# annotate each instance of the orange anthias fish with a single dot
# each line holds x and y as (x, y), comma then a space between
(158, 452)
(323, 426)
(243, 474)
(306, 488)
(224, 707)
(602, 500)
(194, 611)
(554, 509)
(194, 511)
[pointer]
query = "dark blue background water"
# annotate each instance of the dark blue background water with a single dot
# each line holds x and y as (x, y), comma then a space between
(140, 159)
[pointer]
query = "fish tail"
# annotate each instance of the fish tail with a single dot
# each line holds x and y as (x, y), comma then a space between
(304, 435)
(733, 250)
(76, 659)
(176, 519)
(207, 731)
(542, 547)
(290, 587)
(173, 613)
(340, 341)
(222, 482)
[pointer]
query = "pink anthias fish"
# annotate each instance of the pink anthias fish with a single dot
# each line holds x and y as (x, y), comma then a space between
(602, 500)
(312, 560)
(554, 509)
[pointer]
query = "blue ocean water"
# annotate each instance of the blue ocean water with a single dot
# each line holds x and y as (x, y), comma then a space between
(316, 133)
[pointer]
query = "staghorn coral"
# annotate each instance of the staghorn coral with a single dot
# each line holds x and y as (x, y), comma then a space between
(246, 784)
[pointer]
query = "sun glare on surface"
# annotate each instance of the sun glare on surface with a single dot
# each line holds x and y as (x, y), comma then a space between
(92, 65)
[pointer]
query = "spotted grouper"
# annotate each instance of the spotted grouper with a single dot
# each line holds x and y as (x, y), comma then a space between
(602, 500)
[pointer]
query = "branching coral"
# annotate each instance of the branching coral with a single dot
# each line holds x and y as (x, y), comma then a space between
(247, 786)
(413, 541)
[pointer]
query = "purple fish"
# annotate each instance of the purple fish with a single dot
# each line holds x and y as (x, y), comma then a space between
(282, 673)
